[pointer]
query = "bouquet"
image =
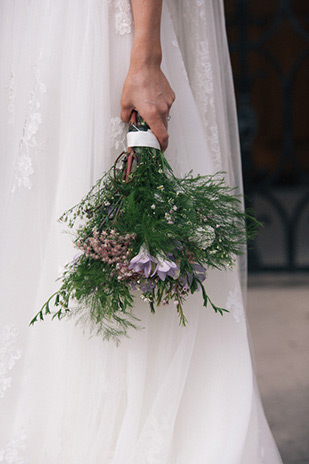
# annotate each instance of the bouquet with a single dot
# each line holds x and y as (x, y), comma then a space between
(141, 230)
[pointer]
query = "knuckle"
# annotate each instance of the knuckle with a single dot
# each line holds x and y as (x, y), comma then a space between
(164, 108)
(153, 111)
(150, 114)
(171, 99)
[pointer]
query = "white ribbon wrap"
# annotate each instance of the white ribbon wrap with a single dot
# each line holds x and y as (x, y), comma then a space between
(142, 139)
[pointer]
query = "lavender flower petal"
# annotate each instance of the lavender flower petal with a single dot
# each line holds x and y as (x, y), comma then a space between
(164, 267)
(142, 261)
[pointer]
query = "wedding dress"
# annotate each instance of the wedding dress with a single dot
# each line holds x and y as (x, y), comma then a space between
(166, 395)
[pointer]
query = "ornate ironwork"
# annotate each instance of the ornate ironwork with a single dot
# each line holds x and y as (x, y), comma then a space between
(280, 194)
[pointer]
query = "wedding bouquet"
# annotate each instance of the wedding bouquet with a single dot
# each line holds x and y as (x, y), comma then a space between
(141, 230)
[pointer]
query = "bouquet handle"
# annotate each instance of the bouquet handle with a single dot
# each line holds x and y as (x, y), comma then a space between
(140, 134)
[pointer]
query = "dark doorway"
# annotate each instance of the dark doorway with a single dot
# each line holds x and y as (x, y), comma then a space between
(269, 44)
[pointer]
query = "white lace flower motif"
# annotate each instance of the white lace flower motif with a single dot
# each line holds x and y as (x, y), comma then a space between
(9, 354)
(12, 452)
(123, 16)
(118, 133)
(234, 304)
(156, 440)
(11, 104)
(28, 144)
(201, 75)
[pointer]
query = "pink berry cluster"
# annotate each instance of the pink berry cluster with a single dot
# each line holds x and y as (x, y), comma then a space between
(108, 246)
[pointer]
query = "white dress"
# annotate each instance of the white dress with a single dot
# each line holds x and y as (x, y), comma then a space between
(167, 395)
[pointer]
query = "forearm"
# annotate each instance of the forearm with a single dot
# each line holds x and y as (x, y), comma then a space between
(146, 88)
(147, 21)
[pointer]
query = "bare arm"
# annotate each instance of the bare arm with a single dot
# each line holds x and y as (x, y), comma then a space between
(146, 88)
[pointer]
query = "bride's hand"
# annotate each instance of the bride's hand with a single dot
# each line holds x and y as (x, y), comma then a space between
(147, 90)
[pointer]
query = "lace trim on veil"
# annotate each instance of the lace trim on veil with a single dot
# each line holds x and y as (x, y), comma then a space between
(200, 74)
(123, 18)
(9, 354)
(12, 452)
(28, 145)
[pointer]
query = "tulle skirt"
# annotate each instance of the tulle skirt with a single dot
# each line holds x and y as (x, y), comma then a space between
(167, 394)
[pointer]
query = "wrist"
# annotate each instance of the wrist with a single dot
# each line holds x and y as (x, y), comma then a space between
(145, 52)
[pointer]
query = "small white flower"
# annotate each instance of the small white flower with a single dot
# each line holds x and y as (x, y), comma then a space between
(175, 208)
(205, 235)
(158, 197)
(160, 171)
(160, 187)
(153, 206)
(167, 216)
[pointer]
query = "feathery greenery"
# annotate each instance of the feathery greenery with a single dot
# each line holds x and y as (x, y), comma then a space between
(172, 228)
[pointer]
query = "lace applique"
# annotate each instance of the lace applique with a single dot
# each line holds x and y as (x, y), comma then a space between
(11, 105)
(118, 131)
(234, 304)
(156, 440)
(12, 453)
(204, 75)
(200, 71)
(214, 145)
(29, 144)
(122, 15)
(9, 354)
(204, 90)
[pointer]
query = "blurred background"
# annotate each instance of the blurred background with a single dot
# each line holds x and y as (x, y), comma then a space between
(269, 45)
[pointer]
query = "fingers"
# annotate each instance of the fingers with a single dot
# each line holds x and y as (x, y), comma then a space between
(161, 133)
(152, 98)
(156, 117)
(157, 121)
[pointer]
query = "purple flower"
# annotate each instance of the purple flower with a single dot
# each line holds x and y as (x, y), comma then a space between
(147, 286)
(198, 271)
(164, 268)
(142, 262)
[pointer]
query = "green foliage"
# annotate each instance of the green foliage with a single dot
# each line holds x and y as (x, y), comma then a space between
(193, 220)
